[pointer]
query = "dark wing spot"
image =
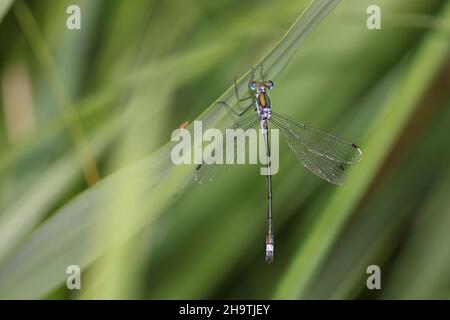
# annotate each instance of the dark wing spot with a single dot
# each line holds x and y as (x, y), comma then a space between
(342, 168)
(198, 167)
(355, 146)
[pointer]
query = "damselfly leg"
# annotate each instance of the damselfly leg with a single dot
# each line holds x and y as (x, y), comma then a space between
(240, 99)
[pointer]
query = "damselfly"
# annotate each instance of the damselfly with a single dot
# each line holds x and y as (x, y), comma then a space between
(322, 153)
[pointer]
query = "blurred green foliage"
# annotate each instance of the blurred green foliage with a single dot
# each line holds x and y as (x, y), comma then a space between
(85, 176)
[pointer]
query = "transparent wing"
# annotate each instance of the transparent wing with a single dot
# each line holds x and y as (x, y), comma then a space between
(322, 153)
(205, 173)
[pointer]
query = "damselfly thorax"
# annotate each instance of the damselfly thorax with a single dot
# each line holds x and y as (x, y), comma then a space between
(262, 101)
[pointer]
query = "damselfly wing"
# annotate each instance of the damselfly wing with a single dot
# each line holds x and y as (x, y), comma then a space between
(322, 153)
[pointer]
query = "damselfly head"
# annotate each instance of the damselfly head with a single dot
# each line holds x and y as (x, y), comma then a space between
(261, 86)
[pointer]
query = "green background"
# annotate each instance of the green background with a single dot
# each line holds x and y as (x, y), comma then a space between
(85, 177)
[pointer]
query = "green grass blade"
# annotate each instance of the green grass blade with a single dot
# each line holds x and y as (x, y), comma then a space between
(4, 7)
(274, 62)
(68, 113)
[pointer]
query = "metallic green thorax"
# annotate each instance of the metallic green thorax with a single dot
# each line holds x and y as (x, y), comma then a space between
(263, 100)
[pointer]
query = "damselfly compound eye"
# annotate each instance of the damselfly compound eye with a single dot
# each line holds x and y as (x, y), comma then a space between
(269, 84)
(253, 85)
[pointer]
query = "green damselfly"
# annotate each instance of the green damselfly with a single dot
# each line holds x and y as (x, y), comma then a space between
(322, 153)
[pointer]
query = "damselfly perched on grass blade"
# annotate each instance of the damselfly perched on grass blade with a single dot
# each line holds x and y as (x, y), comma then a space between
(322, 153)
